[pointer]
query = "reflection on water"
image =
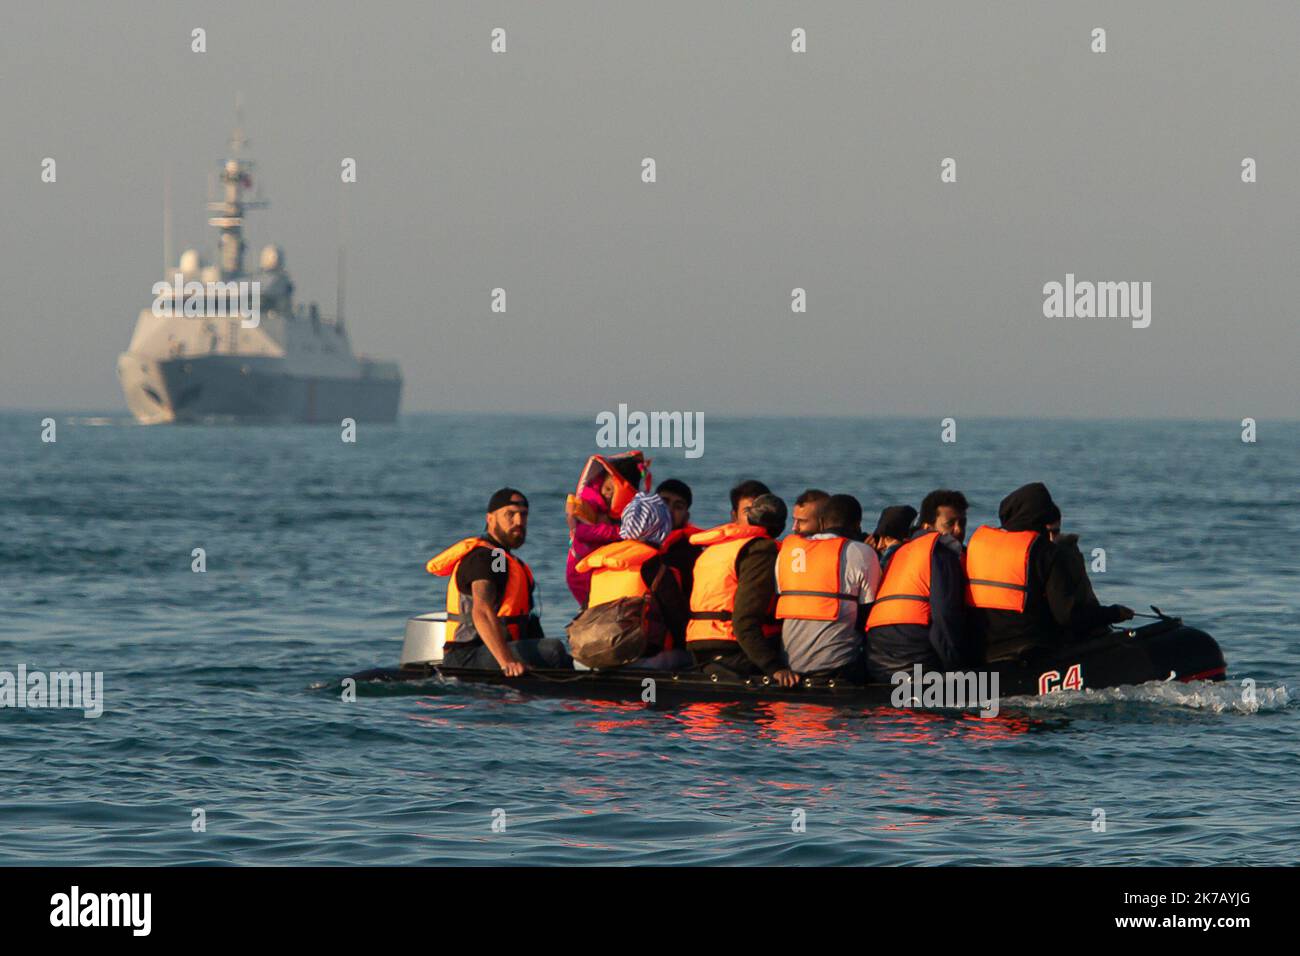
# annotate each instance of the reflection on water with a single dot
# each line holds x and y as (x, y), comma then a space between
(221, 687)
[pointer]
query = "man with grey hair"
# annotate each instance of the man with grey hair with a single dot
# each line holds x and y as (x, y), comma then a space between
(732, 632)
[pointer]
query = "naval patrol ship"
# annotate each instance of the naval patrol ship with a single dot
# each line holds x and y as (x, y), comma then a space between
(219, 344)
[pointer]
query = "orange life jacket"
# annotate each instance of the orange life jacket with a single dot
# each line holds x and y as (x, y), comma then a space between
(516, 603)
(713, 595)
(997, 568)
(683, 532)
(616, 570)
(808, 577)
(904, 596)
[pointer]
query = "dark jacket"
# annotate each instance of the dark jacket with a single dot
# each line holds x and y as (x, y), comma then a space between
(1087, 615)
(1056, 609)
(947, 643)
(681, 555)
(673, 606)
(886, 555)
(755, 598)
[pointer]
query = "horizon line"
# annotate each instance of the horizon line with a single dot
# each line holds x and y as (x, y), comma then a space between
(124, 413)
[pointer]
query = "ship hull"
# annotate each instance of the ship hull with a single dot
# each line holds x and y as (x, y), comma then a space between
(248, 389)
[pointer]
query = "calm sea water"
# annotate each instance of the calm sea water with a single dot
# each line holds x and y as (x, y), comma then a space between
(221, 688)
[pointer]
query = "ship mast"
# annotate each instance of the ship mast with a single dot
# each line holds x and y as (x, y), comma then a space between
(236, 176)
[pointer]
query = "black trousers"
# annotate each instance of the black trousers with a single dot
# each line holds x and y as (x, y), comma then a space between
(727, 666)
(539, 652)
(851, 673)
(737, 665)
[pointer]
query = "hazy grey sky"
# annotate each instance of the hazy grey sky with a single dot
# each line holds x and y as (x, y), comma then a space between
(776, 170)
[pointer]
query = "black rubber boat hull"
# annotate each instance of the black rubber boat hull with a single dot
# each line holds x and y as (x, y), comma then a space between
(1164, 651)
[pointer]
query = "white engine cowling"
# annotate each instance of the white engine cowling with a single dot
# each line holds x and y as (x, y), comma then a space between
(425, 635)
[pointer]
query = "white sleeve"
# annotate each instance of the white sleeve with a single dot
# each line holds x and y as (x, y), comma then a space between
(865, 571)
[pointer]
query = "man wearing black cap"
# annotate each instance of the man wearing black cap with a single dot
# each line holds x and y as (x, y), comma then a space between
(491, 618)
(893, 528)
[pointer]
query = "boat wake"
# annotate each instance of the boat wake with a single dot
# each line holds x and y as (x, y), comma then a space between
(1216, 697)
(96, 421)
(367, 686)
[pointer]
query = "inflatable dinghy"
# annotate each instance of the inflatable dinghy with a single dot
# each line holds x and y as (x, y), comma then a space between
(1165, 650)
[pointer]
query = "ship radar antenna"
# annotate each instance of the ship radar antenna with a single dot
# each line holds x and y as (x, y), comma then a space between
(236, 176)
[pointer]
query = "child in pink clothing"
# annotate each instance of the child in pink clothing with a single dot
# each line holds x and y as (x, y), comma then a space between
(586, 536)
(608, 485)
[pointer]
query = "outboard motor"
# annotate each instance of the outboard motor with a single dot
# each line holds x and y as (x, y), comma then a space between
(425, 636)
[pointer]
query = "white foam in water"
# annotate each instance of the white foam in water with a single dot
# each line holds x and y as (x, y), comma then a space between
(1216, 696)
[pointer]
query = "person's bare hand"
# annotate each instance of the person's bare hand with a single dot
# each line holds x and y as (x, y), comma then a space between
(786, 677)
(513, 668)
(1125, 613)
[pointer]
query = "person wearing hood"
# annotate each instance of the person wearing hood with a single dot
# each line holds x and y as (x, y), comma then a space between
(1022, 589)
(920, 615)
(1088, 616)
(892, 531)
